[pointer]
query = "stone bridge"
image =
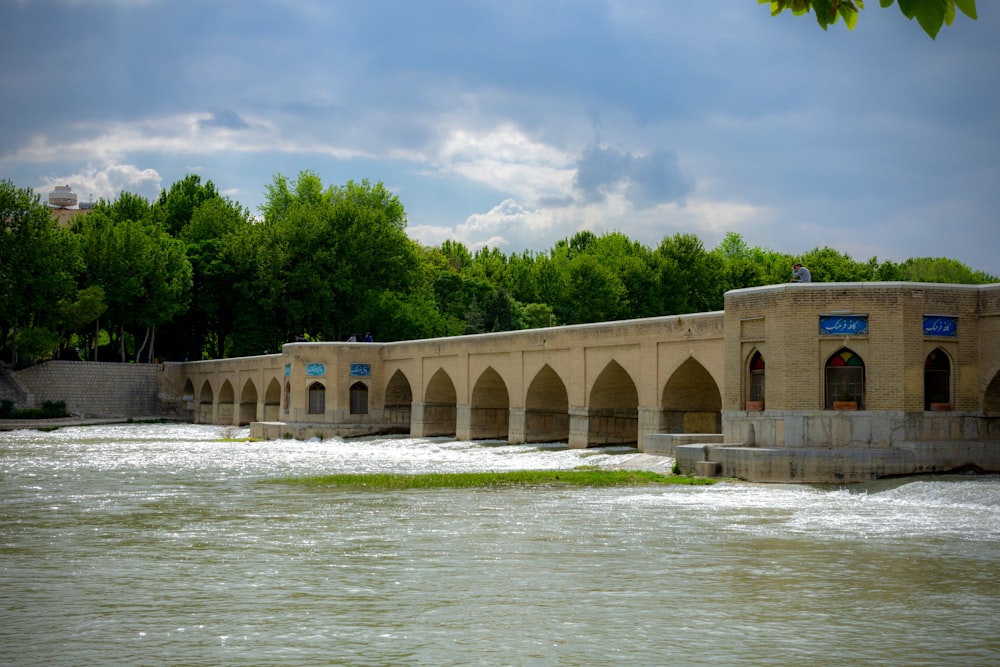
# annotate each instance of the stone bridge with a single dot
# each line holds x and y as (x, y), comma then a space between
(587, 385)
(812, 382)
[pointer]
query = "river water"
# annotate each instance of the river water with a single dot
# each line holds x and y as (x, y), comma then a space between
(159, 544)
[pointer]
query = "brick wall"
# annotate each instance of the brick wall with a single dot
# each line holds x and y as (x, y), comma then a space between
(95, 389)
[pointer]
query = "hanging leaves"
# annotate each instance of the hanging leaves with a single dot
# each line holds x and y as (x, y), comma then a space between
(930, 14)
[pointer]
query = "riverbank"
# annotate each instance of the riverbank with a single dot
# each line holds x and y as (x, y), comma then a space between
(61, 422)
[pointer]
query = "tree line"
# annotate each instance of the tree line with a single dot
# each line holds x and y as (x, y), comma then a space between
(194, 275)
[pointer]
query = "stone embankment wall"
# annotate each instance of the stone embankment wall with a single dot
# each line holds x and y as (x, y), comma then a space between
(93, 388)
(11, 389)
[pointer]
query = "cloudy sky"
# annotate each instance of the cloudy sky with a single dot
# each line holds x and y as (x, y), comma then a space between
(516, 123)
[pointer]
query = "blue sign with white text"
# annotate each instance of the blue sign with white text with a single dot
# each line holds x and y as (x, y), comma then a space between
(843, 325)
(940, 325)
(315, 370)
(360, 370)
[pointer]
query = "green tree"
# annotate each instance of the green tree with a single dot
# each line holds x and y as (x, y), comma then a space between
(689, 274)
(930, 14)
(209, 321)
(943, 270)
(176, 206)
(596, 293)
(336, 247)
(143, 271)
(38, 264)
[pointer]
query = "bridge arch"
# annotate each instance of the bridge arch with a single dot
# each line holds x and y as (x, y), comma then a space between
(187, 395)
(224, 406)
(489, 416)
(613, 408)
(272, 400)
(691, 401)
(248, 403)
(440, 405)
(546, 408)
(398, 404)
(206, 399)
(991, 397)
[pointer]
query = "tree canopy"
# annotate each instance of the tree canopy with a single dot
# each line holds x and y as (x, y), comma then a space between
(194, 275)
(930, 14)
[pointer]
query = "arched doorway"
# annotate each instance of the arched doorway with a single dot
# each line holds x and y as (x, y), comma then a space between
(937, 381)
(755, 383)
(845, 381)
(359, 398)
(317, 398)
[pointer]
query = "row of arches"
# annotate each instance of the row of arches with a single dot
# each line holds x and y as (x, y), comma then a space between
(844, 380)
(690, 401)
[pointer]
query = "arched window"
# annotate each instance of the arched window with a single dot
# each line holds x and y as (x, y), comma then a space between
(845, 379)
(937, 381)
(755, 386)
(288, 396)
(359, 398)
(317, 398)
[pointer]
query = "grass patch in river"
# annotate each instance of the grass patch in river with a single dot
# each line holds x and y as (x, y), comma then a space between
(585, 476)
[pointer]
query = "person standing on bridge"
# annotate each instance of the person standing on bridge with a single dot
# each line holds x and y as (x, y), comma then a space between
(800, 274)
(368, 337)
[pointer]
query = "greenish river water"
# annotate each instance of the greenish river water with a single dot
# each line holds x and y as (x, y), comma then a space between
(158, 544)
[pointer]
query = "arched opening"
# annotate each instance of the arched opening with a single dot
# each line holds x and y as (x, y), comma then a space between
(248, 403)
(546, 408)
(755, 382)
(490, 409)
(991, 399)
(188, 399)
(205, 400)
(440, 405)
(845, 381)
(227, 398)
(398, 401)
(937, 381)
(317, 398)
(359, 398)
(272, 400)
(613, 409)
(691, 400)
(288, 396)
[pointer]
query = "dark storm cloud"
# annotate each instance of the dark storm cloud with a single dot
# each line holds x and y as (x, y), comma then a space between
(647, 180)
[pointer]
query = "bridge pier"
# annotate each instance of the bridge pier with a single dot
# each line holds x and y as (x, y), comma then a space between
(516, 426)
(463, 422)
(579, 427)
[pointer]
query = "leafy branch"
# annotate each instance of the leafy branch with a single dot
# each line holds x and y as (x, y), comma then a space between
(930, 14)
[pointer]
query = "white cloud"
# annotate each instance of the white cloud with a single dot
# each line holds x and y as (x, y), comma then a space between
(507, 160)
(181, 134)
(107, 182)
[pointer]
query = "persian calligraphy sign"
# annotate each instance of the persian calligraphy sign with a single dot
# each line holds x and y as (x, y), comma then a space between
(843, 325)
(315, 370)
(360, 370)
(940, 325)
